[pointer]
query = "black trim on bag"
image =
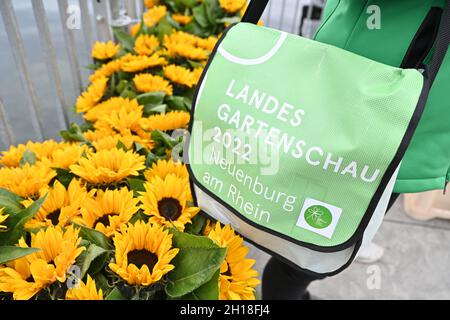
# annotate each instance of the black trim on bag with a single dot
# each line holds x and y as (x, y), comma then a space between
(423, 40)
(319, 276)
(358, 234)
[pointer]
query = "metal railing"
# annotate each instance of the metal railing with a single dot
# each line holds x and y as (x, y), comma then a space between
(37, 94)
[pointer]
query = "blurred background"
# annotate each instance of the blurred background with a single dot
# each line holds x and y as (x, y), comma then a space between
(43, 70)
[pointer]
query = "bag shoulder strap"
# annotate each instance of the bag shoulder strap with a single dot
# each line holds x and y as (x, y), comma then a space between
(255, 11)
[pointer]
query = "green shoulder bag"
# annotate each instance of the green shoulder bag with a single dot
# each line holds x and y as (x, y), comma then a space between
(297, 144)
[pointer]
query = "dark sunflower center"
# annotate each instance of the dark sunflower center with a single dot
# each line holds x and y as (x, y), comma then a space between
(104, 219)
(169, 208)
(228, 272)
(54, 217)
(141, 257)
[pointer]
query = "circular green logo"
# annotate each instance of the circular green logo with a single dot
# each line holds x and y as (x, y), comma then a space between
(318, 217)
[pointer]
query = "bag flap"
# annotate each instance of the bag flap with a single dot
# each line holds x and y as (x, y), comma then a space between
(297, 137)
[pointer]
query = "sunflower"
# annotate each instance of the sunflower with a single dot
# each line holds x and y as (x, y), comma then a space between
(146, 45)
(108, 69)
(209, 226)
(122, 121)
(165, 201)
(232, 6)
(3, 218)
(84, 291)
(41, 150)
(185, 51)
(147, 82)
(179, 75)
(13, 156)
(107, 139)
(127, 124)
(197, 73)
(162, 168)
(182, 37)
(154, 15)
(109, 166)
(60, 206)
(105, 50)
(140, 63)
(166, 122)
(92, 95)
(207, 43)
(27, 180)
(46, 148)
(113, 104)
(181, 44)
(150, 3)
(143, 253)
(27, 276)
(135, 29)
(65, 157)
(109, 210)
(237, 278)
(181, 18)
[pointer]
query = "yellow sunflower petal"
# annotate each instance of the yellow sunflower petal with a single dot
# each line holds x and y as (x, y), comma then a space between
(143, 253)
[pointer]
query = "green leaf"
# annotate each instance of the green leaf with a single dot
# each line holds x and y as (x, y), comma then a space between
(139, 148)
(208, 291)
(86, 126)
(184, 240)
(197, 224)
(101, 282)
(151, 159)
(195, 64)
(10, 201)
(95, 237)
(178, 103)
(164, 27)
(194, 267)
(115, 294)
(93, 66)
(136, 184)
(189, 3)
(151, 109)
(164, 139)
(16, 223)
(28, 157)
(123, 84)
(64, 176)
(125, 39)
(74, 134)
(86, 259)
(172, 22)
(195, 29)
(11, 253)
(140, 216)
(151, 98)
(120, 145)
(213, 11)
(200, 16)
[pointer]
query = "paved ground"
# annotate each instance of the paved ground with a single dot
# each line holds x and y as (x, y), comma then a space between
(415, 264)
